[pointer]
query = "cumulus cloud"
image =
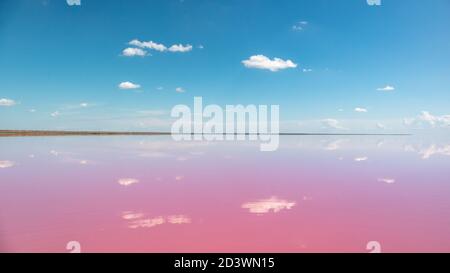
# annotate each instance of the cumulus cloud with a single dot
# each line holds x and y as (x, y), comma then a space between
(132, 51)
(160, 47)
(7, 102)
(426, 120)
(127, 181)
(55, 114)
(150, 45)
(180, 48)
(331, 123)
(360, 110)
(6, 164)
(263, 62)
(129, 85)
(362, 158)
(267, 205)
(386, 88)
(73, 2)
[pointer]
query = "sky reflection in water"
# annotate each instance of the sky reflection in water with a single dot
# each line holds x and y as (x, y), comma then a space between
(151, 194)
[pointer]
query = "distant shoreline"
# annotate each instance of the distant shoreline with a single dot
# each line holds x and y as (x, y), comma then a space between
(30, 133)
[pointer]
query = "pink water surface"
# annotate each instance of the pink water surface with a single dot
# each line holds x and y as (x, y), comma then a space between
(152, 194)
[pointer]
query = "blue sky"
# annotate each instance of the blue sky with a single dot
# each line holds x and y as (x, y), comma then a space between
(61, 65)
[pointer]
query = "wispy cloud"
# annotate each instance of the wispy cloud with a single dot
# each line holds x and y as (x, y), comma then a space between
(180, 90)
(386, 88)
(299, 26)
(263, 62)
(129, 85)
(360, 110)
(7, 102)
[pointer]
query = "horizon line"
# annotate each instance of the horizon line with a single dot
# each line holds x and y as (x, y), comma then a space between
(24, 133)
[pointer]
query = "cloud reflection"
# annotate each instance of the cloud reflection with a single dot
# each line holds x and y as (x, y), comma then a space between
(127, 181)
(6, 164)
(266, 205)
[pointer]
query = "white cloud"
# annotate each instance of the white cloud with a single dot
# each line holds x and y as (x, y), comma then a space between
(129, 85)
(84, 104)
(359, 159)
(266, 205)
(386, 88)
(7, 102)
(158, 47)
(180, 90)
(360, 110)
(180, 48)
(6, 164)
(127, 181)
(131, 52)
(331, 123)
(299, 26)
(263, 62)
(307, 70)
(387, 180)
(55, 114)
(149, 45)
(73, 2)
(427, 120)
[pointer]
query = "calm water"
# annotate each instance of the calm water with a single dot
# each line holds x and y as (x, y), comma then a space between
(152, 194)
